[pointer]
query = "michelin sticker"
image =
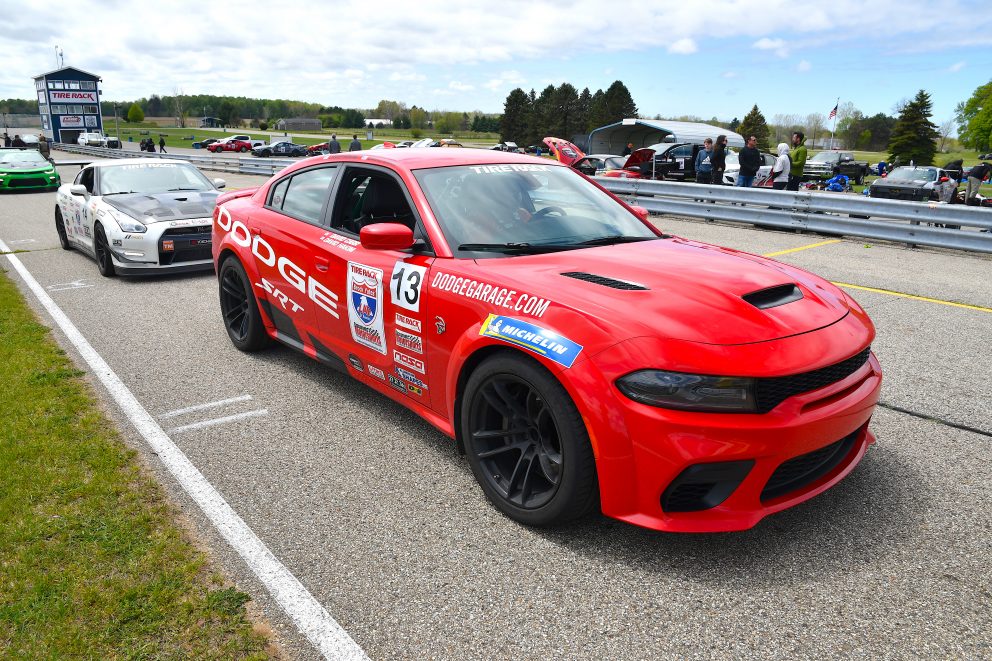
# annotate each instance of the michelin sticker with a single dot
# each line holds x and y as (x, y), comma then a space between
(365, 306)
(541, 341)
(406, 284)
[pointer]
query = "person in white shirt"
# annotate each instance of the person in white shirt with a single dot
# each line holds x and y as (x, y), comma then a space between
(780, 171)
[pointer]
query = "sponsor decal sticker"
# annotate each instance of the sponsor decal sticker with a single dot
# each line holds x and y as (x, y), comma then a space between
(168, 246)
(405, 285)
(496, 169)
(407, 322)
(409, 341)
(539, 340)
(492, 294)
(377, 373)
(340, 242)
(365, 306)
(414, 389)
(117, 242)
(355, 361)
(407, 375)
(415, 364)
(396, 383)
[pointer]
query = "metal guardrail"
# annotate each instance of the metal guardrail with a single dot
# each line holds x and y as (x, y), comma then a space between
(243, 165)
(913, 223)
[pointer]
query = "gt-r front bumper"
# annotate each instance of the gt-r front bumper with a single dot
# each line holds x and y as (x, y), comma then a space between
(166, 247)
(684, 471)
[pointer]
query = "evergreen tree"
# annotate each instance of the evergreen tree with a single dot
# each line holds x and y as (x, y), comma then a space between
(542, 116)
(914, 136)
(598, 115)
(582, 111)
(516, 110)
(734, 124)
(754, 124)
(619, 103)
(565, 101)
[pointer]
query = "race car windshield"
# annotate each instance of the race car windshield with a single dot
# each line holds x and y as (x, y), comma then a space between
(152, 178)
(22, 157)
(912, 174)
(524, 207)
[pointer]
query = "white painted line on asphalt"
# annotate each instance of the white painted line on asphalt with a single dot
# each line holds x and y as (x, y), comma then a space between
(306, 612)
(208, 405)
(63, 286)
(219, 421)
(19, 242)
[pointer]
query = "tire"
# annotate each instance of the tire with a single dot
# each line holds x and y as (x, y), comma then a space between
(518, 420)
(60, 228)
(104, 258)
(239, 309)
(243, 149)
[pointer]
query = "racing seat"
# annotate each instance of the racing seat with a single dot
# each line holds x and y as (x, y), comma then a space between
(383, 202)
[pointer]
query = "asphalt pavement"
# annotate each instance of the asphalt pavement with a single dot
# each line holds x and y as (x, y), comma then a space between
(380, 518)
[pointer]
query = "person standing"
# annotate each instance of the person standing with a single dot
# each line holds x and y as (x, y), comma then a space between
(628, 150)
(976, 176)
(750, 160)
(797, 155)
(355, 144)
(704, 163)
(17, 142)
(780, 171)
(44, 147)
(334, 147)
(161, 144)
(6, 140)
(719, 159)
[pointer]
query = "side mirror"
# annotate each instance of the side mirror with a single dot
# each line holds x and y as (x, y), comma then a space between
(386, 236)
(78, 189)
(642, 213)
(219, 183)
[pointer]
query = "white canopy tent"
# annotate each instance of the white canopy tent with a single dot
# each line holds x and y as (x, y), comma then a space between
(613, 138)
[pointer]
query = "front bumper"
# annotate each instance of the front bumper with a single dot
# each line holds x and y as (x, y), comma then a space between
(684, 471)
(174, 247)
(29, 181)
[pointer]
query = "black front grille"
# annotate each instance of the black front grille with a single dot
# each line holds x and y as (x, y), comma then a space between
(28, 182)
(179, 231)
(189, 244)
(771, 392)
(604, 281)
(807, 468)
(704, 486)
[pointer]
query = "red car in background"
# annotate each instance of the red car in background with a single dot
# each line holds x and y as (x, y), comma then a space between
(230, 145)
(579, 356)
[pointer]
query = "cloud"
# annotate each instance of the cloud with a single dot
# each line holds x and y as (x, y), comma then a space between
(684, 46)
(778, 46)
(460, 87)
(506, 80)
(804, 66)
(407, 76)
(729, 74)
(957, 66)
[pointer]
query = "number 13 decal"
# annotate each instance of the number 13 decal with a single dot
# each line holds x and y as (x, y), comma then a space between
(406, 282)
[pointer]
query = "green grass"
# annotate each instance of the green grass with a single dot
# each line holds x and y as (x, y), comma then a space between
(92, 564)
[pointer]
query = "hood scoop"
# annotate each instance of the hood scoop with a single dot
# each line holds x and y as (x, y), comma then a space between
(605, 282)
(772, 297)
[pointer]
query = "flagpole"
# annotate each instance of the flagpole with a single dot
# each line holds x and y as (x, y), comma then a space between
(832, 130)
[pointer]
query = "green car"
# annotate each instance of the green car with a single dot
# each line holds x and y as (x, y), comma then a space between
(26, 169)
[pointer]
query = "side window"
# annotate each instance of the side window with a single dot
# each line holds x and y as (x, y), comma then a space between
(306, 193)
(278, 194)
(365, 198)
(682, 152)
(85, 178)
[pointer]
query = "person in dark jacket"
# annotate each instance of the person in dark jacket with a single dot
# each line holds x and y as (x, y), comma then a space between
(355, 144)
(704, 164)
(17, 142)
(976, 176)
(334, 147)
(750, 160)
(628, 150)
(6, 140)
(719, 159)
(161, 144)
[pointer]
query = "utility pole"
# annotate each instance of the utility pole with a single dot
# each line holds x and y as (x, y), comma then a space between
(117, 125)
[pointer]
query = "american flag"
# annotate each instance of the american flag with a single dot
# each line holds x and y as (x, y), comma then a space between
(833, 113)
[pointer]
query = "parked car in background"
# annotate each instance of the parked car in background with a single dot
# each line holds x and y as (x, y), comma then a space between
(563, 150)
(827, 164)
(26, 169)
(505, 146)
(594, 165)
(206, 142)
(92, 140)
(280, 149)
(230, 144)
(639, 165)
(911, 183)
(734, 169)
(114, 142)
(676, 161)
(247, 138)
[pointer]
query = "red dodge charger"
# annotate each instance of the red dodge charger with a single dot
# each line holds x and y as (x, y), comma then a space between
(579, 356)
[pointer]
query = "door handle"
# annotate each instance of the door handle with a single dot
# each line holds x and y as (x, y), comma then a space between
(322, 263)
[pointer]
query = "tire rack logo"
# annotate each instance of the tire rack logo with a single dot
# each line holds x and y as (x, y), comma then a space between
(365, 306)
(408, 322)
(407, 375)
(297, 278)
(541, 341)
(377, 373)
(408, 361)
(492, 294)
(409, 341)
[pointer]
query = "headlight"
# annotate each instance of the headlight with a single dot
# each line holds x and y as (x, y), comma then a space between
(689, 392)
(128, 224)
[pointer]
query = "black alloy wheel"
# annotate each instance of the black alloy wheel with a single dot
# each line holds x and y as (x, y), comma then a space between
(104, 258)
(527, 443)
(242, 318)
(243, 149)
(60, 228)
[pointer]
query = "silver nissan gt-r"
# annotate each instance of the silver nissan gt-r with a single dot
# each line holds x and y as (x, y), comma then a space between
(139, 216)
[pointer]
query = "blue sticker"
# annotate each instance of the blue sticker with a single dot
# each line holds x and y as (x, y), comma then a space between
(541, 341)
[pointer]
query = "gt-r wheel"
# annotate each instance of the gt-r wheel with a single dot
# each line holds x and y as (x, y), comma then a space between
(242, 318)
(60, 228)
(527, 443)
(104, 258)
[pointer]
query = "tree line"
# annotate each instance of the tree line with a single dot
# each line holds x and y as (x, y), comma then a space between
(562, 112)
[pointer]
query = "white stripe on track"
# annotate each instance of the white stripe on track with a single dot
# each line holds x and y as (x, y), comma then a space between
(219, 421)
(306, 612)
(202, 407)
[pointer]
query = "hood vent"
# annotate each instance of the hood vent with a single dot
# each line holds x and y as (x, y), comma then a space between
(773, 296)
(604, 281)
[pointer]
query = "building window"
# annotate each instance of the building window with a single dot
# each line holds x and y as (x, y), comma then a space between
(59, 110)
(87, 85)
(55, 85)
(39, 84)
(72, 84)
(75, 110)
(90, 110)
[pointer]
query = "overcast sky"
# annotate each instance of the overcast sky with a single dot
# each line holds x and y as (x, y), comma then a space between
(684, 57)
